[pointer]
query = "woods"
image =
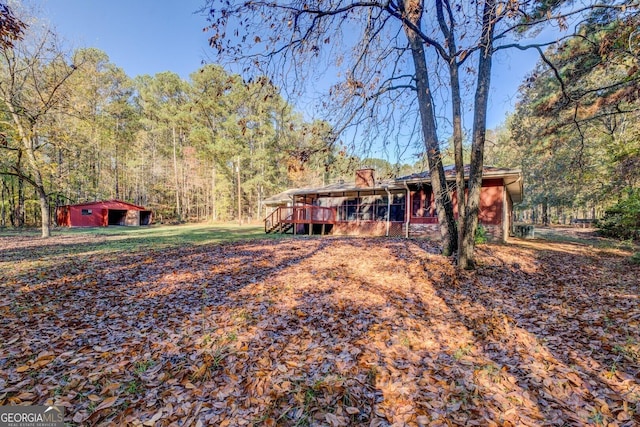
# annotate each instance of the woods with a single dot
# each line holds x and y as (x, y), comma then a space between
(575, 129)
(76, 128)
(163, 142)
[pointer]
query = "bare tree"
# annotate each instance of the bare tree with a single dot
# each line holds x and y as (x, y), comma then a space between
(387, 54)
(32, 83)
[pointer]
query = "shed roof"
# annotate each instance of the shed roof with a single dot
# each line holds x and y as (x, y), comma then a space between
(111, 204)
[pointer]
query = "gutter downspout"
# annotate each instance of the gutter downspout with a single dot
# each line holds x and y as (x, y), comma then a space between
(386, 188)
(407, 210)
(505, 214)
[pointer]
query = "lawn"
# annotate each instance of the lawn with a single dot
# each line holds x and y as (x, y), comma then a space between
(205, 326)
(79, 241)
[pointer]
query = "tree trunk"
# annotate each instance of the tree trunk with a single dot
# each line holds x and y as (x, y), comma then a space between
(545, 212)
(239, 194)
(446, 220)
(175, 174)
(38, 184)
(184, 193)
(466, 251)
(3, 211)
(456, 105)
(12, 203)
(259, 204)
(44, 212)
(214, 215)
(116, 175)
(20, 209)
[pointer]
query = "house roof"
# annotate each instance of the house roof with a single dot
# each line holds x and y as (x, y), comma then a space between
(512, 181)
(512, 178)
(450, 173)
(284, 197)
(110, 204)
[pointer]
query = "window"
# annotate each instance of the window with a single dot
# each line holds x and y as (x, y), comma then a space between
(372, 208)
(381, 210)
(423, 206)
(347, 211)
(87, 212)
(397, 208)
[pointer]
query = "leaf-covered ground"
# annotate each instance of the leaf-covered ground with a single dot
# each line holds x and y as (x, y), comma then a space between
(322, 331)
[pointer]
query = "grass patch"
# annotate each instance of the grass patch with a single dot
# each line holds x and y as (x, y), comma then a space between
(88, 241)
(165, 236)
(593, 239)
(23, 252)
(462, 352)
(142, 366)
(133, 387)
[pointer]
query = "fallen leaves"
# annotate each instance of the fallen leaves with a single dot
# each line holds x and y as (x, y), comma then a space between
(326, 331)
(107, 403)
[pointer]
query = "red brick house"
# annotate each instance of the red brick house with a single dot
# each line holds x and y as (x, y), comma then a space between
(102, 214)
(402, 206)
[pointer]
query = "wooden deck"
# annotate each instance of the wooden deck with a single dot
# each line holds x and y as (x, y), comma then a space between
(310, 219)
(289, 218)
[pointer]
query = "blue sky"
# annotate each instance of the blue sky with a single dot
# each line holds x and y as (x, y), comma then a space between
(140, 36)
(151, 36)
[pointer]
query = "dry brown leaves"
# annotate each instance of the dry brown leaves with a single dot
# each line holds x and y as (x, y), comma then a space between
(326, 331)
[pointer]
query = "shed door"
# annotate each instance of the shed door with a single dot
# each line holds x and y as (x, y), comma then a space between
(117, 217)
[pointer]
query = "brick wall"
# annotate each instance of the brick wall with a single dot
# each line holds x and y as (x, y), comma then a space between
(429, 231)
(432, 231)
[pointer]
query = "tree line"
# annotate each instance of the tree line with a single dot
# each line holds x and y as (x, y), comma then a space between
(76, 128)
(575, 131)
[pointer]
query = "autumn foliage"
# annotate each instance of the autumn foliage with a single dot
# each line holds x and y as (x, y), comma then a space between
(312, 331)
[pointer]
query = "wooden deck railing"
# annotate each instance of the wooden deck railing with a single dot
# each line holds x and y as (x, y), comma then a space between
(285, 216)
(274, 221)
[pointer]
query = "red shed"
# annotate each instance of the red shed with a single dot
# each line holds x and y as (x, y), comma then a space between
(102, 214)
